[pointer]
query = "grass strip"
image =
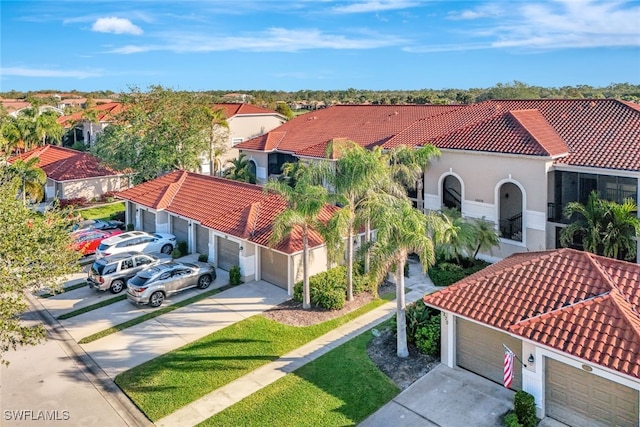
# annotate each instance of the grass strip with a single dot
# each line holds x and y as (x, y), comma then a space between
(63, 290)
(175, 379)
(91, 307)
(344, 385)
(102, 212)
(149, 316)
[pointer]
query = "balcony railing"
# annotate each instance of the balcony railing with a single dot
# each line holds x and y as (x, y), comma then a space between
(511, 228)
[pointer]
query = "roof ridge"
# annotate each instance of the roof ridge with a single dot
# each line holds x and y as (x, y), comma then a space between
(600, 269)
(515, 115)
(616, 297)
(171, 190)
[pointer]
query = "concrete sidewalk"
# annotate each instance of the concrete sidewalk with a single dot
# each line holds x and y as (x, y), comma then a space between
(237, 390)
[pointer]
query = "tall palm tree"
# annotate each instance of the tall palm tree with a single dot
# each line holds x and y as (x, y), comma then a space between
(292, 172)
(408, 165)
(401, 230)
(218, 119)
(240, 170)
(46, 128)
(355, 177)
(304, 204)
(18, 132)
(32, 178)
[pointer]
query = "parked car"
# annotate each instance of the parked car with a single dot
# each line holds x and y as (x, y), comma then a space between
(138, 241)
(87, 241)
(113, 271)
(97, 224)
(152, 285)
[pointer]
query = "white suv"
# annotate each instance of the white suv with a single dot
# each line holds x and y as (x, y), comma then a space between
(138, 241)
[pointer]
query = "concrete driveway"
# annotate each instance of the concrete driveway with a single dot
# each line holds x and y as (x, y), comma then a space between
(446, 397)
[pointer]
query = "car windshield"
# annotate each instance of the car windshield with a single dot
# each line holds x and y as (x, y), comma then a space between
(138, 280)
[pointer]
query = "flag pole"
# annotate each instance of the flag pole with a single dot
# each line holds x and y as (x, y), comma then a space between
(514, 355)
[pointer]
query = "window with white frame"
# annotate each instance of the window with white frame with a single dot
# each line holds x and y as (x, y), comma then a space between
(236, 140)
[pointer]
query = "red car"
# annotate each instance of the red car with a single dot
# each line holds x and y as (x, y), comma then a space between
(87, 241)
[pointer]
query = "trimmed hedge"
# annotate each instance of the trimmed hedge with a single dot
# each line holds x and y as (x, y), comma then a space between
(446, 273)
(524, 406)
(329, 288)
(235, 278)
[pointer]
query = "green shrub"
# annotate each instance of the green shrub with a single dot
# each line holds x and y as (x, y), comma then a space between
(446, 273)
(428, 337)
(511, 420)
(524, 406)
(177, 253)
(418, 316)
(183, 246)
(234, 275)
(129, 227)
(203, 257)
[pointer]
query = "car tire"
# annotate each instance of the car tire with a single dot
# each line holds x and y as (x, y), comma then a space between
(167, 249)
(117, 286)
(156, 299)
(204, 281)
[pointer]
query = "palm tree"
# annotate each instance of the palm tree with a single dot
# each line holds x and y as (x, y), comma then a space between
(485, 235)
(408, 165)
(619, 236)
(18, 132)
(456, 237)
(218, 120)
(32, 178)
(304, 204)
(240, 170)
(355, 177)
(46, 128)
(292, 172)
(401, 230)
(607, 228)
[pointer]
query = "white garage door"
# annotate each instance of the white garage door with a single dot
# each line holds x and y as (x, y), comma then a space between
(480, 350)
(273, 267)
(202, 239)
(148, 221)
(579, 398)
(180, 229)
(228, 253)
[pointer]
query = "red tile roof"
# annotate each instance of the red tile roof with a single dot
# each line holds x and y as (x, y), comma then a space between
(231, 207)
(65, 164)
(234, 109)
(105, 112)
(599, 133)
(582, 304)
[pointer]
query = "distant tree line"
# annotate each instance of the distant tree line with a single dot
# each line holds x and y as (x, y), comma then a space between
(320, 98)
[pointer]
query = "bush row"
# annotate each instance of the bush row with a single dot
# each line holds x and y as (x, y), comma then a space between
(446, 273)
(329, 289)
(423, 327)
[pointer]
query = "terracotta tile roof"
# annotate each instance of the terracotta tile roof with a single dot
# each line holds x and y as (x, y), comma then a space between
(65, 164)
(599, 133)
(105, 112)
(230, 207)
(367, 125)
(576, 302)
(234, 109)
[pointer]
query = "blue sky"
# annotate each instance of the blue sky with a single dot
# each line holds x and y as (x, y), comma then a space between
(316, 44)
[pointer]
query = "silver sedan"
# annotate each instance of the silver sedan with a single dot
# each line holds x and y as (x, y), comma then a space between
(152, 285)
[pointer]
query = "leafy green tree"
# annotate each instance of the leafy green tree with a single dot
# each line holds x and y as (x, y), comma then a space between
(401, 230)
(292, 172)
(30, 177)
(35, 252)
(284, 109)
(240, 170)
(216, 135)
(304, 204)
(605, 227)
(156, 132)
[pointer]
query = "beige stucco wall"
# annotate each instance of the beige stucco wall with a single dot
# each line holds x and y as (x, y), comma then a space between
(88, 188)
(317, 263)
(481, 176)
(262, 164)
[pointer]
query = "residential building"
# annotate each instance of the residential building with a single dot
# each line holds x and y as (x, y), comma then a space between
(571, 319)
(516, 163)
(73, 174)
(90, 128)
(227, 220)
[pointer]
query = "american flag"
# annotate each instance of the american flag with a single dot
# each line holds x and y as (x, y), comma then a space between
(508, 366)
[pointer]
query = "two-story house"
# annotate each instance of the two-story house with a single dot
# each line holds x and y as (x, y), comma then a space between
(514, 162)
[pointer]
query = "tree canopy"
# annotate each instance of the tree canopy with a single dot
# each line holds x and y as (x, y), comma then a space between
(35, 252)
(157, 131)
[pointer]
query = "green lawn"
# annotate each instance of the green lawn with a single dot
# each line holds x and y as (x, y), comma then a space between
(102, 212)
(173, 380)
(341, 388)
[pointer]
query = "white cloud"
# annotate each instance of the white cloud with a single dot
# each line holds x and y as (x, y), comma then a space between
(374, 6)
(271, 40)
(116, 25)
(35, 72)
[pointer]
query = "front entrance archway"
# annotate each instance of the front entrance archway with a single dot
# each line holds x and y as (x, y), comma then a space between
(510, 201)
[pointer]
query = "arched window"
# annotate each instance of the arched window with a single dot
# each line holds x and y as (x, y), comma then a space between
(451, 193)
(510, 201)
